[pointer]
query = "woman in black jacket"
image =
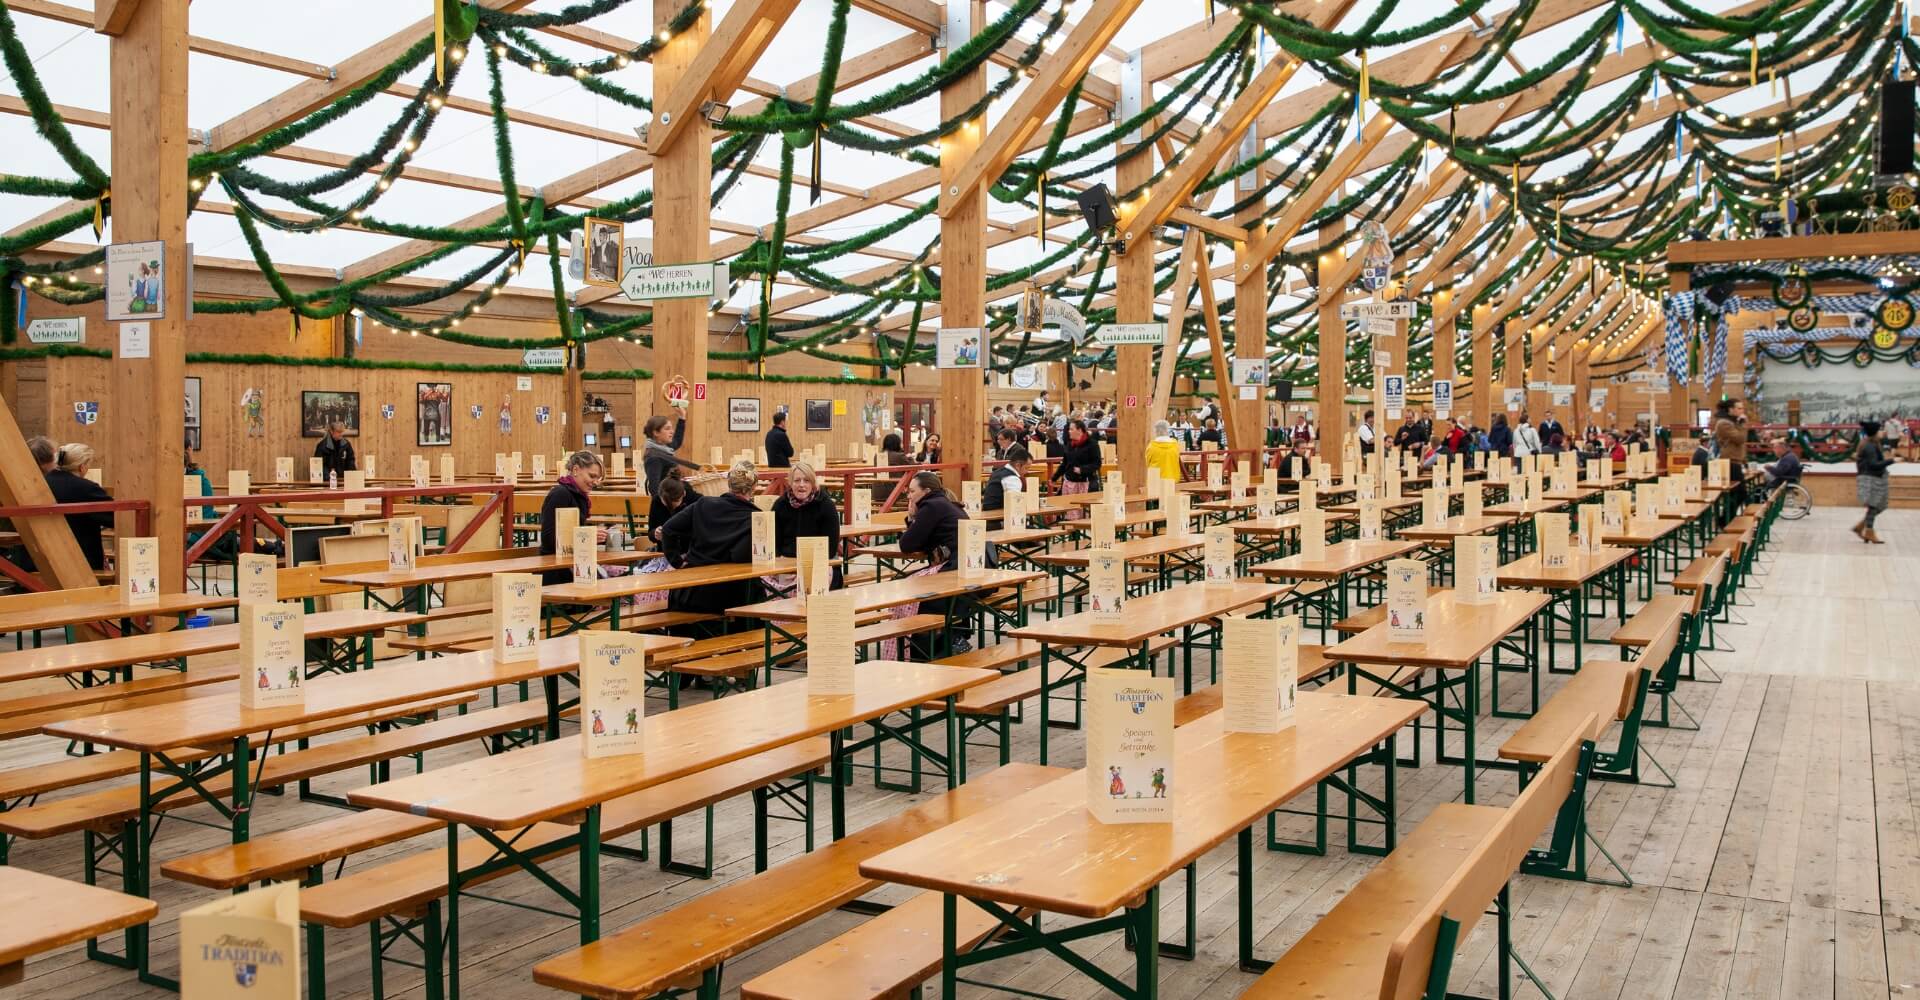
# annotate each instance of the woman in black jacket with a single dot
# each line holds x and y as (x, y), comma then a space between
(933, 533)
(804, 509)
(661, 452)
(716, 530)
(571, 490)
(1870, 467)
(674, 497)
(1079, 469)
(69, 483)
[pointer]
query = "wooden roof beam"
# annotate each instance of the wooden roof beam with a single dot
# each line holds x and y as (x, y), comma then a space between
(722, 62)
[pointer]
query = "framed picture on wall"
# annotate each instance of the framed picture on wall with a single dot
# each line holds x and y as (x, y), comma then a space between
(819, 414)
(743, 414)
(320, 407)
(434, 403)
(606, 248)
(193, 413)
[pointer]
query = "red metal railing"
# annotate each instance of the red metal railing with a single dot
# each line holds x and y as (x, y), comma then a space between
(252, 512)
(143, 525)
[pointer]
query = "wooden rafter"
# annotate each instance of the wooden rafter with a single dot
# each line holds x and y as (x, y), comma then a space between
(716, 72)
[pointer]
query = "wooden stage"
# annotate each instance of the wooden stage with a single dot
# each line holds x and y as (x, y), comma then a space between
(1786, 865)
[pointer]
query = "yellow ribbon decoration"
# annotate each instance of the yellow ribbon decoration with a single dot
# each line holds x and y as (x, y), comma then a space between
(1779, 150)
(1753, 64)
(100, 213)
(439, 41)
(1365, 87)
(1043, 210)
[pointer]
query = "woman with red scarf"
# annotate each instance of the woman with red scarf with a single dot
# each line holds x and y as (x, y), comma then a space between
(1079, 469)
(571, 490)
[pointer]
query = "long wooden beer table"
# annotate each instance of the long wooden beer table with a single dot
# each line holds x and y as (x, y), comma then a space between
(1017, 544)
(1043, 850)
(1266, 537)
(1653, 539)
(1441, 536)
(119, 655)
(418, 582)
(1587, 570)
(1335, 569)
(556, 782)
(1167, 553)
(961, 590)
(90, 611)
(46, 913)
(601, 598)
(1446, 663)
(1191, 610)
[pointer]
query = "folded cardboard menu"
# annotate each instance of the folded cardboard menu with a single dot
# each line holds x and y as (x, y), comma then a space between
(1219, 556)
(1238, 490)
(830, 643)
(813, 570)
(419, 471)
(447, 477)
(137, 563)
(1692, 483)
(1213, 469)
(283, 469)
(1013, 511)
(613, 693)
(762, 530)
(1313, 535)
(1433, 507)
(970, 497)
(1107, 586)
(1266, 501)
(539, 466)
(586, 555)
(257, 576)
(399, 545)
(1550, 535)
(1718, 470)
(1476, 568)
(1406, 600)
(973, 546)
(1259, 659)
(1309, 495)
(619, 468)
(355, 480)
(1180, 514)
(239, 483)
(1100, 534)
(1474, 502)
(244, 946)
(565, 519)
(860, 503)
(316, 470)
(273, 655)
(516, 617)
(1370, 519)
(1590, 527)
(1129, 746)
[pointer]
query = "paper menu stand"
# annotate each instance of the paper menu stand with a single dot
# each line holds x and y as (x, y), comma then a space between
(1218, 549)
(1550, 535)
(1692, 482)
(1180, 514)
(516, 617)
(1616, 510)
(860, 503)
(1433, 507)
(1370, 520)
(1326, 475)
(1313, 535)
(1130, 776)
(1590, 527)
(502, 468)
(258, 578)
(1717, 471)
(1267, 502)
(565, 519)
(1297, 468)
(1270, 477)
(514, 462)
(446, 470)
(1309, 495)
(539, 466)
(1392, 483)
(1593, 469)
(586, 555)
(1671, 493)
(813, 569)
(316, 470)
(1475, 503)
(1213, 473)
(1013, 511)
(283, 469)
(970, 497)
(762, 537)
(356, 480)
(1536, 486)
(830, 643)
(613, 687)
(973, 546)
(399, 545)
(1606, 472)
(239, 483)
(137, 563)
(1476, 567)
(244, 947)
(1155, 484)
(1238, 488)
(1406, 600)
(1114, 490)
(1260, 672)
(1107, 586)
(273, 655)
(765, 501)
(1100, 535)
(371, 463)
(618, 468)
(717, 456)
(1034, 490)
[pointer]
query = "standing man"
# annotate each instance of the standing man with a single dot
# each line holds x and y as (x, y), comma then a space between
(779, 446)
(335, 452)
(1548, 427)
(1366, 433)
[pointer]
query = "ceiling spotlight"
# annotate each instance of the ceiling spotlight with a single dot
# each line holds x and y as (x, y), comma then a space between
(715, 112)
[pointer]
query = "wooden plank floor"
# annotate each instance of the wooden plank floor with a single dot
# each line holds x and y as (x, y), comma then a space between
(1786, 864)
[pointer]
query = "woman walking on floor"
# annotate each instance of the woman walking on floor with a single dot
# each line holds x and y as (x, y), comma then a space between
(1870, 468)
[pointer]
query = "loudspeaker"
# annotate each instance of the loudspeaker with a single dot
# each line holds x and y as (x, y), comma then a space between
(1896, 128)
(1283, 390)
(1096, 207)
(1719, 294)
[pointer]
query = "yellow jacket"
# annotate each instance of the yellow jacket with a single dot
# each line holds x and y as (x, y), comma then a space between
(1163, 453)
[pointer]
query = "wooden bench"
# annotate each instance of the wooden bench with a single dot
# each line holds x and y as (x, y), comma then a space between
(1651, 620)
(49, 912)
(1360, 621)
(886, 957)
(406, 893)
(468, 639)
(1313, 666)
(686, 946)
(1394, 933)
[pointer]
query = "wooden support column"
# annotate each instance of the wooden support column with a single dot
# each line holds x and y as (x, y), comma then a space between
(149, 88)
(1582, 382)
(682, 233)
(963, 255)
(573, 404)
(1483, 391)
(1249, 326)
(1331, 393)
(1513, 374)
(1133, 303)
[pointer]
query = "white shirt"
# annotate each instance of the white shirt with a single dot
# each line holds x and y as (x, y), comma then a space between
(1366, 433)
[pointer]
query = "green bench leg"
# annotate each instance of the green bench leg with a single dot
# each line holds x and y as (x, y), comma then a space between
(667, 864)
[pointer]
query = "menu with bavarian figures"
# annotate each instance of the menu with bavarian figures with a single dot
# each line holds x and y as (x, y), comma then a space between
(830, 643)
(1106, 585)
(516, 617)
(1260, 672)
(565, 519)
(970, 497)
(1692, 483)
(273, 655)
(1616, 509)
(613, 693)
(1718, 470)
(1433, 507)
(861, 505)
(1179, 514)
(316, 470)
(1013, 512)
(1266, 501)
(586, 555)
(1313, 535)
(762, 537)
(1406, 600)
(137, 561)
(257, 577)
(1370, 520)
(1550, 535)
(1476, 568)
(814, 573)
(239, 482)
(1129, 746)
(539, 466)
(283, 469)
(1100, 536)
(1218, 549)
(399, 534)
(1363, 487)
(973, 546)
(1590, 527)
(1474, 502)
(1309, 495)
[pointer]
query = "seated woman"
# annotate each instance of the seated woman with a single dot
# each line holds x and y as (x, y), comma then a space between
(674, 497)
(929, 450)
(69, 483)
(933, 532)
(805, 509)
(713, 531)
(572, 489)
